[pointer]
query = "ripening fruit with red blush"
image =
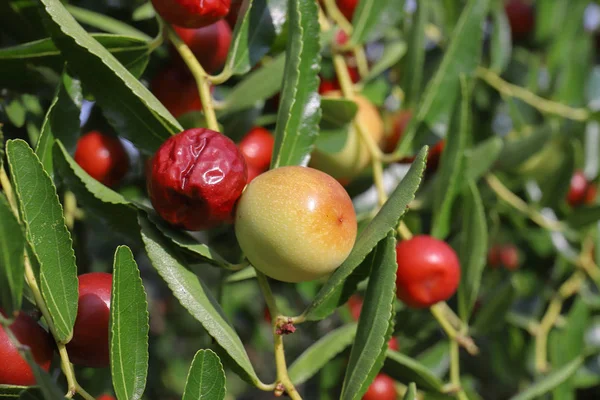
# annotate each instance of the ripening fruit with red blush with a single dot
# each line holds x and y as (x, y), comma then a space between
(257, 148)
(428, 271)
(521, 18)
(103, 157)
(196, 179)
(176, 89)
(347, 7)
(106, 397)
(577, 189)
(210, 44)
(89, 346)
(382, 388)
(14, 370)
(192, 13)
(509, 257)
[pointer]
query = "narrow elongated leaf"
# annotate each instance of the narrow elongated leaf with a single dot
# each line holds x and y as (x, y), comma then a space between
(340, 285)
(462, 57)
(337, 112)
(549, 382)
(481, 158)
(392, 54)
(320, 353)
(195, 297)
(12, 248)
(43, 380)
(473, 251)
(128, 327)
(47, 234)
(366, 18)
(206, 378)
(11, 391)
(375, 324)
(411, 392)
(129, 106)
(101, 201)
(583, 216)
(501, 40)
(62, 120)
(519, 150)
(451, 165)
(106, 23)
(299, 110)
(415, 59)
(404, 368)
(256, 86)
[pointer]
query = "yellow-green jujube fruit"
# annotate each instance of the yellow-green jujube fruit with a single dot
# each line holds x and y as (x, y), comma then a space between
(295, 224)
(354, 156)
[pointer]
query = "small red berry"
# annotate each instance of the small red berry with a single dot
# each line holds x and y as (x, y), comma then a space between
(253, 172)
(176, 89)
(428, 271)
(347, 7)
(89, 346)
(196, 179)
(520, 17)
(106, 397)
(393, 344)
(103, 157)
(192, 13)
(509, 256)
(382, 388)
(257, 148)
(210, 44)
(341, 38)
(14, 370)
(578, 189)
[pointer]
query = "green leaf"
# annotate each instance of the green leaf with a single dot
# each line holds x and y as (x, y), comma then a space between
(128, 327)
(411, 392)
(320, 353)
(337, 113)
(392, 54)
(47, 234)
(12, 248)
(43, 380)
(61, 121)
(15, 111)
(101, 201)
(451, 165)
(193, 295)
(254, 34)
(549, 382)
(299, 110)
(415, 60)
(480, 159)
(583, 216)
(366, 18)
(341, 284)
(256, 86)
(375, 324)
(242, 275)
(497, 305)
(32, 393)
(206, 379)
(556, 184)
(461, 58)
(517, 151)
(501, 44)
(11, 391)
(406, 369)
(473, 250)
(332, 141)
(106, 23)
(128, 105)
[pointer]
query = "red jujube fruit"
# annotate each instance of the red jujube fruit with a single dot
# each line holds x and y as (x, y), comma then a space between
(176, 89)
(103, 157)
(192, 13)
(382, 388)
(210, 44)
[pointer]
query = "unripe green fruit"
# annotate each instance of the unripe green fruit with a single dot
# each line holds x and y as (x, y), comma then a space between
(295, 224)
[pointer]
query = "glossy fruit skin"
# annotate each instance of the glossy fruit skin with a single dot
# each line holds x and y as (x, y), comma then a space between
(192, 13)
(382, 388)
(175, 88)
(257, 148)
(428, 271)
(521, 18)
(210, 44)
(354, 157)
(14, 370)
(347, 7)
(89, 346)
(103, 157)
(295, 224)
(196, 179)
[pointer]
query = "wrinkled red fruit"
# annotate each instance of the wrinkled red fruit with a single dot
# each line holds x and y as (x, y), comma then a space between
(382, 388)
(209, 44)
(106, 397)
(347, 7)
(428, 271)
(89, 346)
(14, 370)
(257, 148)
(196, 179)
(192, 13)
(520, 17)
(103, 157)
(176, 89)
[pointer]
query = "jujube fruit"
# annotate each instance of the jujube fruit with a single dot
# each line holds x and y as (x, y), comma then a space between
(192, 13)
(581, 191)
(520, 17)
(103, 157)
(428, 271)
(196, 179)
(295, 224)
(176, 89)
(382, 388)
(509, 257)
(210, 44)
(106, 397)
(354, 157)
(89, 346)
(14, 370)
(347, 7)
(257, 148)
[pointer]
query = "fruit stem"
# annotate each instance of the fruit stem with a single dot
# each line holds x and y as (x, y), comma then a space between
(361, 61)
(437, 310)
(70, 209)
(516, 202)
(455, 371)
(268, 294)
(334, 12)
(7, 187)
(543, 105)
(586, 260)
(200, 75)
(566, 290)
